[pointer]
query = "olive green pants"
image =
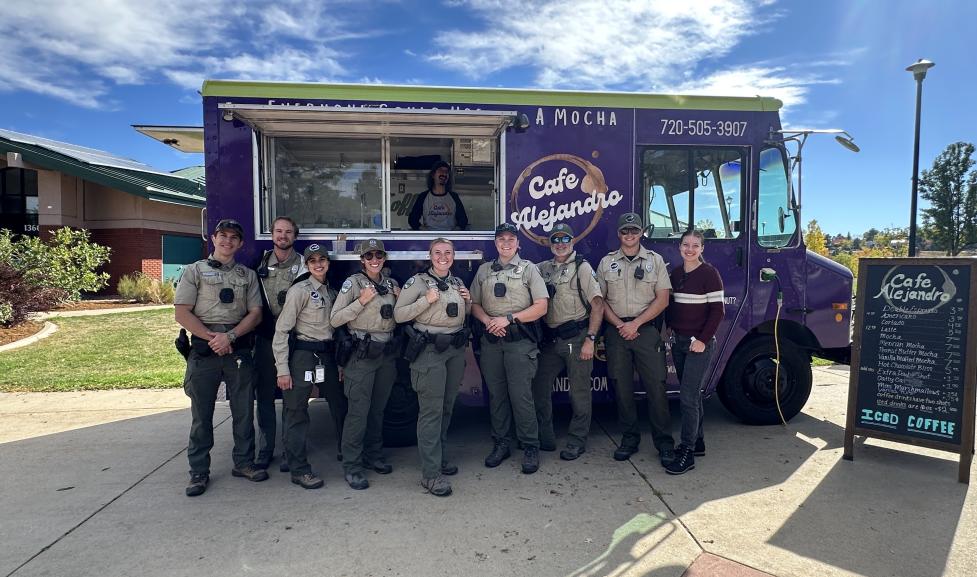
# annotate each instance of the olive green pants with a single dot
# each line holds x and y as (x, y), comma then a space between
(201, 382)
(641, 354)
(435, 378)
(295, 405)
(367, 384)
(555, 357)
(265, 385)
(508, 369)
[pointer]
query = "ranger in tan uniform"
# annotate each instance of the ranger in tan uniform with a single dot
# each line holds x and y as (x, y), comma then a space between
(636, 287)
(574, 316)
(217, 301)
(366, 305)
(276, 269)
(438, 303)
(305, 355)
(508, 297)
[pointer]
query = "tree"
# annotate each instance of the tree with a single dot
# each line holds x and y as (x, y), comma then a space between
(951, 189)
(814, 239)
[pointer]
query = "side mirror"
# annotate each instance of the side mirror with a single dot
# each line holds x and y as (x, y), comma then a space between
(780, 218)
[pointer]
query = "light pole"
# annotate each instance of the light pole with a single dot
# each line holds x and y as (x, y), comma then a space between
(918, 69)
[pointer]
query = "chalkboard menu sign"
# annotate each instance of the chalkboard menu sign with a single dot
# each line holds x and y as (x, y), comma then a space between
(913, 359)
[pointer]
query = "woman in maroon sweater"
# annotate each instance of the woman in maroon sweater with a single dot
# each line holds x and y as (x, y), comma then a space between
(694, 314)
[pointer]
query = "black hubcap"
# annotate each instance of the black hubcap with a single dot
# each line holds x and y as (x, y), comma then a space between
(758, 381)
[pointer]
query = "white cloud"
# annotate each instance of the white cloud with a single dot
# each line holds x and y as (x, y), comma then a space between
(643, 45)
(85, 47)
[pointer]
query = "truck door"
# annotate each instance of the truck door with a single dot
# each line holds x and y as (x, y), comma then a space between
(703, 188)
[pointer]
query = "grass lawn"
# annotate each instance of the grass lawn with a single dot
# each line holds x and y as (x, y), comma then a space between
(112, 351)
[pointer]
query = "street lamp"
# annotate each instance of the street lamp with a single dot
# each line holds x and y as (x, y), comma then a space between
(919, 73)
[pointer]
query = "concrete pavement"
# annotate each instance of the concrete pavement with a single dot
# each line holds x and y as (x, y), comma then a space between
(93, 485)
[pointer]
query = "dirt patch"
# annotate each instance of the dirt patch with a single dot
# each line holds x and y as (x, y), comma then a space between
(21, 331)
(100, 304)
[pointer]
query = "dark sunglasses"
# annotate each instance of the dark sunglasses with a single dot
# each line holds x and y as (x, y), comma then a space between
(626, 231)
(561, 240)
(374, 254)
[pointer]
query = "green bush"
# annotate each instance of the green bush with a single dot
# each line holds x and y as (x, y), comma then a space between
(68, 261)
(145, 289)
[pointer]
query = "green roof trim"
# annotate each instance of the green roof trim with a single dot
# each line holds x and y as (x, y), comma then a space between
(393, 93)
(154, 186)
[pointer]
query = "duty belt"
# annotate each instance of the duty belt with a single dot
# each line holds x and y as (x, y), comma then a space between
(315, 346)
(202, 346)
(655, 322)
(567, 330)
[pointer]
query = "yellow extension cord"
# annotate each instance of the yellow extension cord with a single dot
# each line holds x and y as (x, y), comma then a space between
(776, 373)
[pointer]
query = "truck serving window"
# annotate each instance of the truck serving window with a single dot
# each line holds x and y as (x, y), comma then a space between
(776, 220)
(362, 169)
(326, 183)
(715, 177)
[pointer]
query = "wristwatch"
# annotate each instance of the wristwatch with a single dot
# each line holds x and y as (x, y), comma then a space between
(592, 337)
(510, 318)
(231, 336)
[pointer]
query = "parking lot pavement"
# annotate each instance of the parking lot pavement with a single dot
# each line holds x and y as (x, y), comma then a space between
(93, 485)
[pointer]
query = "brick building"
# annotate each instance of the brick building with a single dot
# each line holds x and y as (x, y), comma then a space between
(150, 219)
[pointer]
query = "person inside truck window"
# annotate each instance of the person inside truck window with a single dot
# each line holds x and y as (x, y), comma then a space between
(438, 207)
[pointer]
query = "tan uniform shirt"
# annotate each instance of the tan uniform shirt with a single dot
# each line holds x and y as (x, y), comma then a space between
(307, 307)
(364, 319)
(565, 305)
(523, 283)
(433, 317)
(201, 284)
(280, 277)
(626, 295)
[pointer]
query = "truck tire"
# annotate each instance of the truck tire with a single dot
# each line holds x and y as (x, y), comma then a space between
(400, 416)
(747, 385)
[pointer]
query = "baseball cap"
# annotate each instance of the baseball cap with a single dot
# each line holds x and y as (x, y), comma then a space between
(365, 246)
(629, 220)
(562, 228)
(315, 249)
(506, 227)
(230, 224)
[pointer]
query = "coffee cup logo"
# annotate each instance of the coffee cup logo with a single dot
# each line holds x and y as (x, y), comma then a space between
(577, 191)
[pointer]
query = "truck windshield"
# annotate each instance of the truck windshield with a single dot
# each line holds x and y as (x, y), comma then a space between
(715, 177)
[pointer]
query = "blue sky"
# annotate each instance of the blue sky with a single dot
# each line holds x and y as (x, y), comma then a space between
(84, 71)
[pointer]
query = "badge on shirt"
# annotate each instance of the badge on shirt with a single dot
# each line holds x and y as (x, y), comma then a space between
(240, 271)
(431, 284)
(520, 268)
(295, 269)
(314, 295)
(614, 266)
(346, 286)
(210, 273)
(409, 282)
(649, 265)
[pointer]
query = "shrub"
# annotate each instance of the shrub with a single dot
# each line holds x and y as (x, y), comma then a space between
(20, 297)
(68, 261)
(145, 289)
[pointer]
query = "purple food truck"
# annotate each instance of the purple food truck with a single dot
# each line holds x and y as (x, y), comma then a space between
(347, 162)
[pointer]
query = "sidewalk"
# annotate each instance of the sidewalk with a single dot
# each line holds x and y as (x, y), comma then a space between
(94, 486)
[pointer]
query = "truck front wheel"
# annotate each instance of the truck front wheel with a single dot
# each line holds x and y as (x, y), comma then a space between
(747, 388)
